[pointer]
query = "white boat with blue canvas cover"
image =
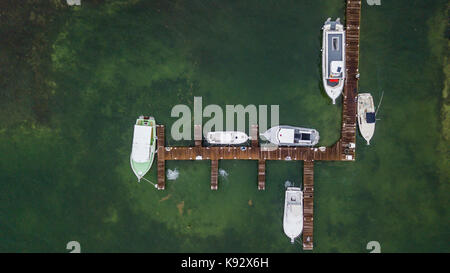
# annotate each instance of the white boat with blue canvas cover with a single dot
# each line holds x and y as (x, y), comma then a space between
(366, 116)
(333, 58)
(293, 213)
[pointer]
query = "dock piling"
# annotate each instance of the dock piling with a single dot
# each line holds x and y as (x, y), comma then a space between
(198, 135)
(254, 136)
(261, 174)
(214, 174)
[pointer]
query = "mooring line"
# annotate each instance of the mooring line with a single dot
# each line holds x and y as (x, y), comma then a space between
(149, 182)
(378, 107)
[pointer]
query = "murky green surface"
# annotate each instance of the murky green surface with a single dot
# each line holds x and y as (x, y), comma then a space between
(67, 176)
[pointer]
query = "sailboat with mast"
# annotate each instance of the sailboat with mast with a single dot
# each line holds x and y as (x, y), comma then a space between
(366, 116)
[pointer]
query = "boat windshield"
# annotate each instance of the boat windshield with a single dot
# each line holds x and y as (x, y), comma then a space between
(306, 136)
(335, 44)
(302, 137)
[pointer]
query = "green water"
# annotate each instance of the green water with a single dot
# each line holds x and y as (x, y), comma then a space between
(68, 106)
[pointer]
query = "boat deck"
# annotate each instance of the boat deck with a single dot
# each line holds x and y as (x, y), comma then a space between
(343, 150)
(335, 55)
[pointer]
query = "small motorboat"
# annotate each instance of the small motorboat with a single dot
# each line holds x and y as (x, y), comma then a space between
(333, 58)
(366, 116)
(293, 213)
(226, 138)
(143, 148)
(284, 135)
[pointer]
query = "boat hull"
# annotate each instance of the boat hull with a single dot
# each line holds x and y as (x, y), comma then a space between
(365, 108)
(226, 138)
(293, 213)
(144, 146)
(285, 135)
(333, 81)
(140, 169)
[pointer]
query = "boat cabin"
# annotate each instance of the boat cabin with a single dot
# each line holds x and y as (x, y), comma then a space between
(291, 136)
(335, 57)
(141, 143)
(370, 117)
(336, 69)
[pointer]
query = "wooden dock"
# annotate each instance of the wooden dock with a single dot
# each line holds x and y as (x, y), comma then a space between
(161, 159)
(343, 150)
(214, 174)
(348, 132)
(308, 204)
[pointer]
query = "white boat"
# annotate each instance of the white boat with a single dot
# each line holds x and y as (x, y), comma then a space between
(333, 58)
(226, 137)
(143, 148)
(284, 135)
(366, 116)
(293, 213)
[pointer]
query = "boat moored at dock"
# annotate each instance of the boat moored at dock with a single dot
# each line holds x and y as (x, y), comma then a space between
(284, 135)
(143, 148)
(366, 116)
(333, 58)
(293, 213)
(226, 137)
(343, 150)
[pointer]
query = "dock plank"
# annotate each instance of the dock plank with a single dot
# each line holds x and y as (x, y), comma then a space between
(308, 205)
(261, 175)
(161, 157)
(214, 174)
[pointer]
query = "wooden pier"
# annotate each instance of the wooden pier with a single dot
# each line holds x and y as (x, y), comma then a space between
(214, 173)
(308, 204)
(161, 159)
(343, 150)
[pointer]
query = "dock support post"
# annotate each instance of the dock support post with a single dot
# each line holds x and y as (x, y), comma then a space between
(161, 157)
(214, 174)
(198, 114)
(308, 204)
(254, 135)
(261, 174)
(198, 135)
